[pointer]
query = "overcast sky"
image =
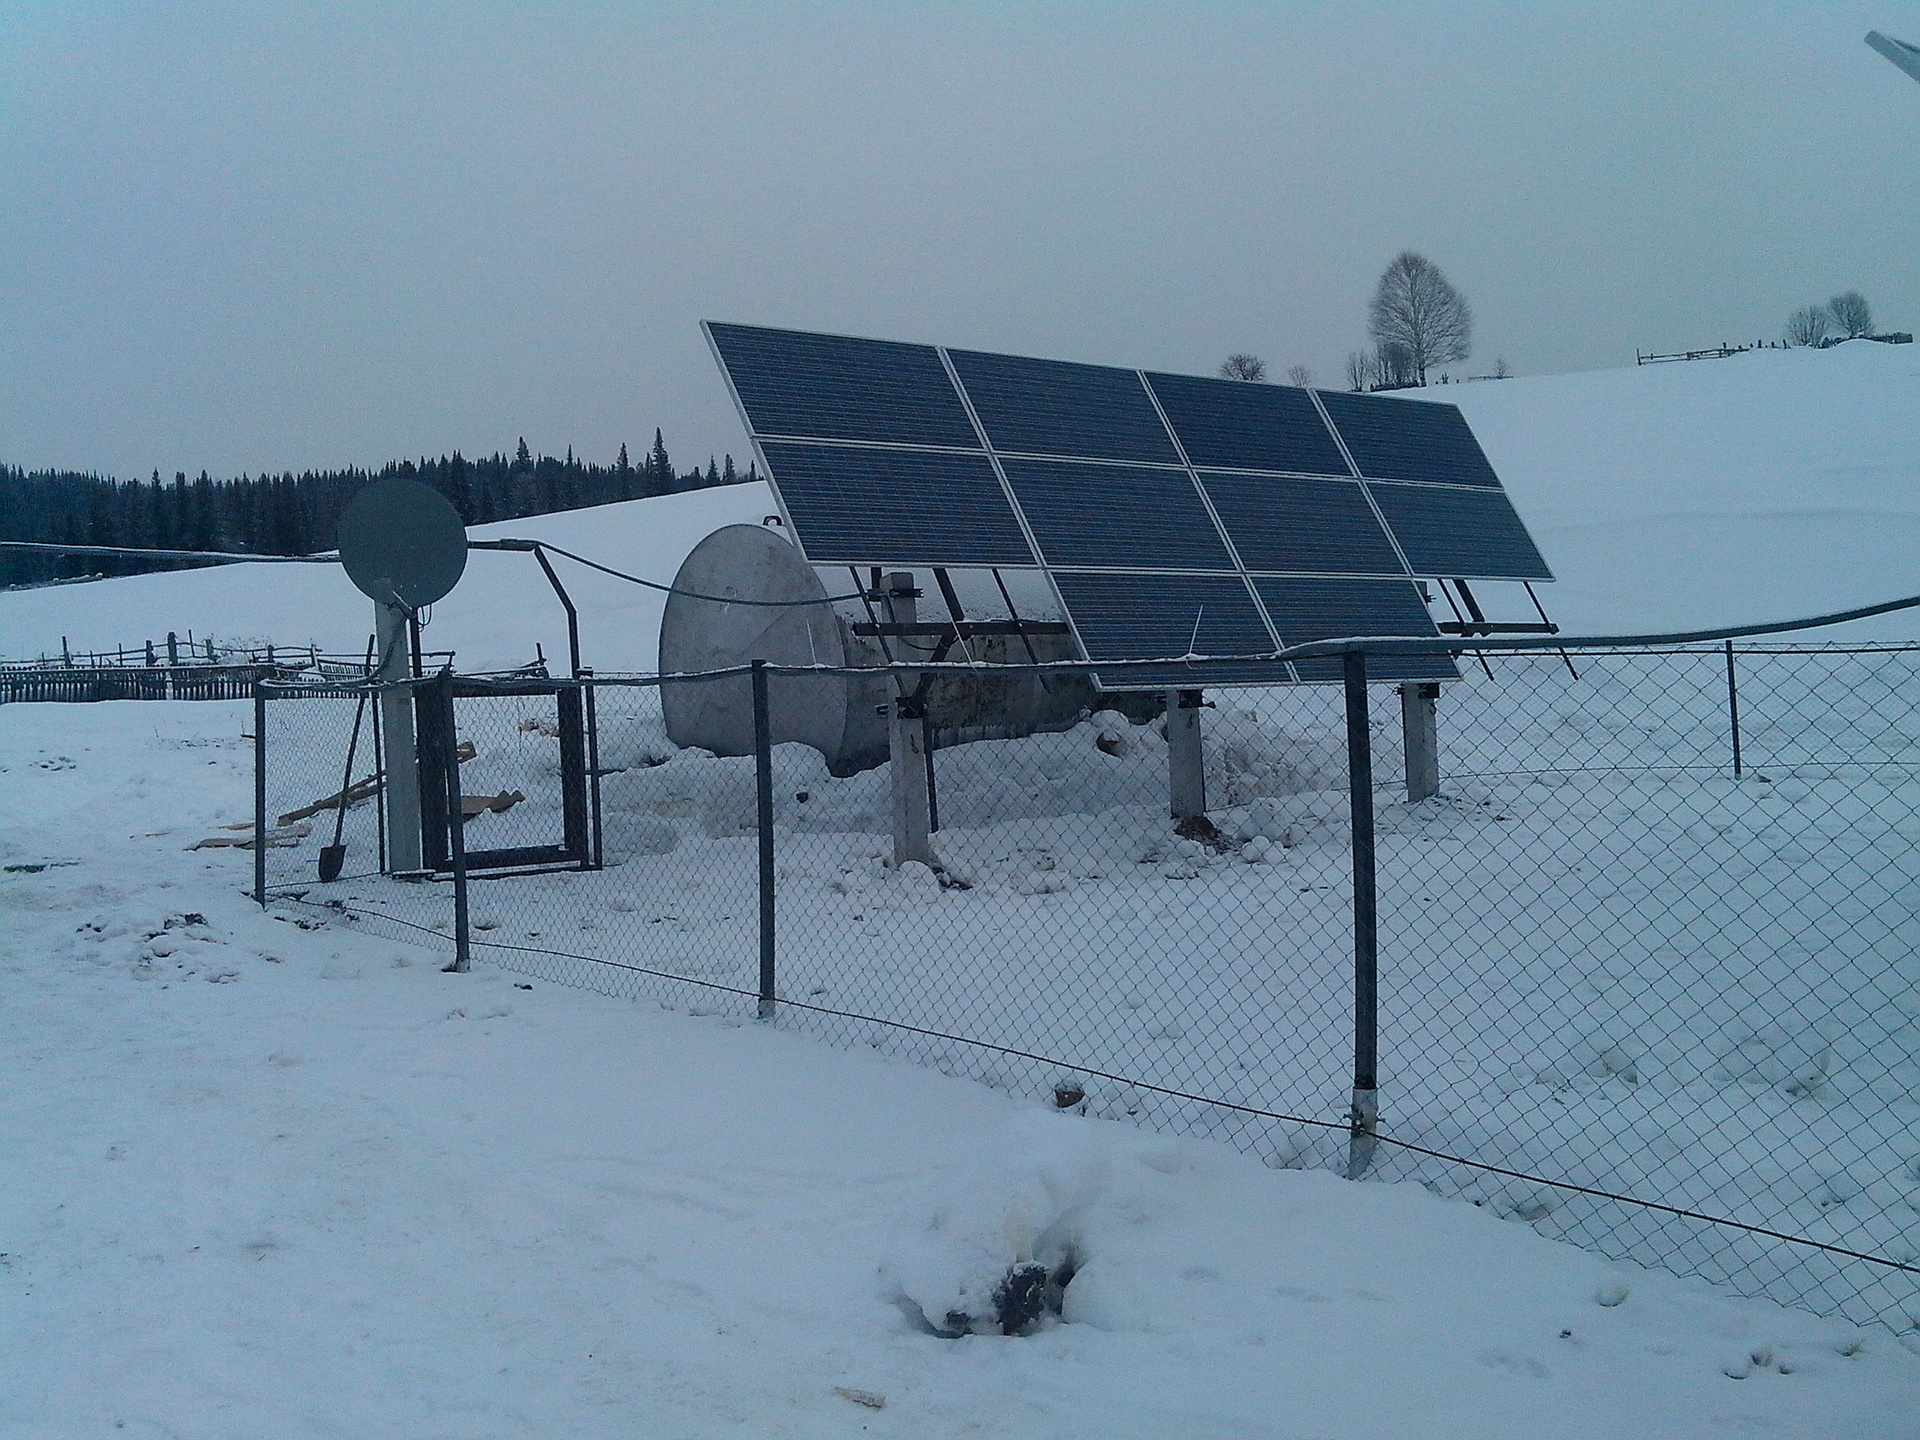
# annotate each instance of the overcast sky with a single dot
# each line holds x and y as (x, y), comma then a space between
(252, 237)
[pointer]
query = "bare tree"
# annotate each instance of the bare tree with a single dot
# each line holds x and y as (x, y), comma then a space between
(1501, 370)
(1415, 309)
(1852, 316)
(1808, 325)
(1394, 368)
(1301, 375)
(1243, 367)
(1360, 370)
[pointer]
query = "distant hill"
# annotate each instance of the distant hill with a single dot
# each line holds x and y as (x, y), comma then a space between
(292, 514)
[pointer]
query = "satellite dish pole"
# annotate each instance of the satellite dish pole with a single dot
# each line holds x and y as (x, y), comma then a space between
(1906, 56)
(403, 546)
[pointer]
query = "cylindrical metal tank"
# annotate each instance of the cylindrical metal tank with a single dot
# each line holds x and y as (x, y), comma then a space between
(838, 715)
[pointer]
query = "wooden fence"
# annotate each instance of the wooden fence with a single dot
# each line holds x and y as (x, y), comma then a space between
(115, 682)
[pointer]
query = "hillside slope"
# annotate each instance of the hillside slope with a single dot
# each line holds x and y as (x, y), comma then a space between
(1770, 485)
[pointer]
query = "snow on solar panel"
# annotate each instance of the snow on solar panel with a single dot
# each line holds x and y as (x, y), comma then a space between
(1469, 534)
(855, 505)
(1234, 425)
(1124, 516)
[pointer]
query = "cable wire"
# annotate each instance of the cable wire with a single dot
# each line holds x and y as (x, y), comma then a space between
(692, 594)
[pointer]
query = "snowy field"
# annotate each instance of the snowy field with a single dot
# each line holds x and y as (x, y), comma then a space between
(268, 1179)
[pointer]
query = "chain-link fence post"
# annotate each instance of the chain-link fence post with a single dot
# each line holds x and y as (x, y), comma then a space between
(260, 795)
(1364, 1117)
(456, 824)
(1733, 711)
(591, 696)
(763, 808)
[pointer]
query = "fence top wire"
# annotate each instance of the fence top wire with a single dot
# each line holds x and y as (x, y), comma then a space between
(1199, 665)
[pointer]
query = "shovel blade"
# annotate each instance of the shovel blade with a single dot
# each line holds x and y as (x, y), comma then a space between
(332, 857)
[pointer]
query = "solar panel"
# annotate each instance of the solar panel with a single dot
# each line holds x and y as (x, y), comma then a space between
(1050, 407)
(831, 388)
(1143, 617)
(1135, 516)
(1316, 526)
(858, 506)
(1304, 610)
(1192, 495)
(1408, 439)
(1234, 425)
(1471, 534)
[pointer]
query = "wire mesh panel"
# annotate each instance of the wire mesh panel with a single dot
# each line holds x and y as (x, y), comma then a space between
(1609, 961)
(1647, 964)
(1105, 954)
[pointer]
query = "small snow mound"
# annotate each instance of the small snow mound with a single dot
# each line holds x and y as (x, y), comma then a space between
(994, 1255)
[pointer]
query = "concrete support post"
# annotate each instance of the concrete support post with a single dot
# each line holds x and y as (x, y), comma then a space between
(907, 740)
(1421, 740)
(402, 789)
(1186, 772)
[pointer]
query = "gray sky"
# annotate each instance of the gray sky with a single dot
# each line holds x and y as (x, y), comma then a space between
(248, 236)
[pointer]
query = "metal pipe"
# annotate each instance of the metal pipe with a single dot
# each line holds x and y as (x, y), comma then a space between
(1363, 1118)
(1733, 711)
(573, 615)
(260, 795)
(456, 828)
(593, 765)
(763, 798)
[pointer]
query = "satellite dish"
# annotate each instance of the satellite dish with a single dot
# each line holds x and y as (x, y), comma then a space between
(402, 543)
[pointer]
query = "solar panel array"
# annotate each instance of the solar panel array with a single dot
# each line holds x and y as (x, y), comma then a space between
(1174, 514)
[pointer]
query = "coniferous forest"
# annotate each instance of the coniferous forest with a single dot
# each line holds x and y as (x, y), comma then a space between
(292, 514)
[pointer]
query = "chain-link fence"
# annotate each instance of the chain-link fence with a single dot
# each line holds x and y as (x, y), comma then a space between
(1643, 974)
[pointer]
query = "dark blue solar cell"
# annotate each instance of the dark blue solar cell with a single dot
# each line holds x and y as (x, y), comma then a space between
(1303, 610)
(1146, 617)
(1117, 515)
(857, 506)
(1317, 526)
(1241, 426)
(1469, 534)
(1049, 407)
(825, 386)
(1408, 439)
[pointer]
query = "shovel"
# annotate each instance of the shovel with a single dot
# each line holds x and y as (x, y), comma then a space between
(333, 856)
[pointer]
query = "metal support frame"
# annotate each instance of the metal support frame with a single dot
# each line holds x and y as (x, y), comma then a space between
(401, 793)
(1186, 761)
(763, 809)
(573, 615)
(1420, 740)
(907, 740)
(1364, 1117)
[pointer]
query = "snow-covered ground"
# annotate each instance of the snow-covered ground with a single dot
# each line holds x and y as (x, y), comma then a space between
(265, 1179)
(1605, 960)
(1763, 487)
